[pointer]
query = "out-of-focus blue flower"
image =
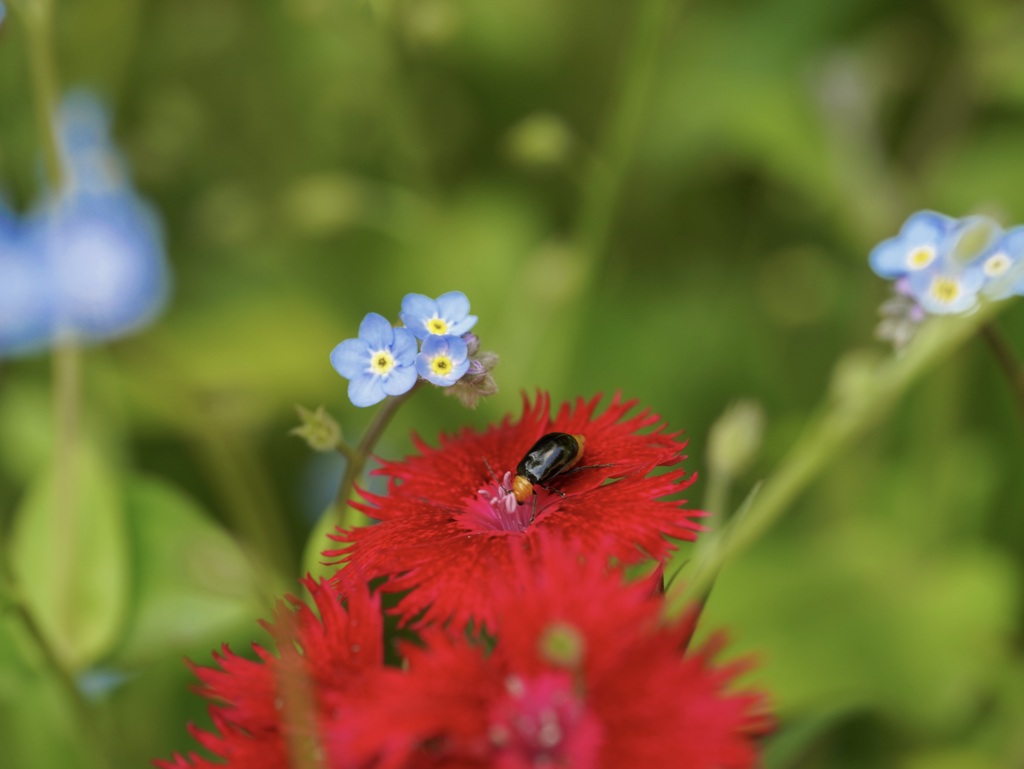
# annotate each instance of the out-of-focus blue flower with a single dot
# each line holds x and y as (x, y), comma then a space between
(1002, 265)
(3, 12)
(446, 315)
(89, 264)
(105, 259)
(380, 362)
(90, 161)
(26, 301)
(923, 241)
(946, 291)
(443, 360)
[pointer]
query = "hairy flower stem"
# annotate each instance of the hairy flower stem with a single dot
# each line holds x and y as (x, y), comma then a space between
(845, 419)
(343, 514)
(1008, 362)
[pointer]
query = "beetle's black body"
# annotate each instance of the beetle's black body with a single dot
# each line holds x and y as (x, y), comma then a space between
(554, 453)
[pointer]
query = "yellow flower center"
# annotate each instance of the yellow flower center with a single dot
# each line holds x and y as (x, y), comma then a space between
(381, 362)
(920, 257)
(442, 365)
(945, 290)
(437, 326)
(996, 265)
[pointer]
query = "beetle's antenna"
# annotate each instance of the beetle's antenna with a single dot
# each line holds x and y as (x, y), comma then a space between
(494, 477)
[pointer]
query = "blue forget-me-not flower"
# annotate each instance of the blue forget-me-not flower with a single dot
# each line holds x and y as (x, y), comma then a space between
(922, 241)
(446, 315)
(943, 265)
(1002, 265)
(380, 362)
(443, 360)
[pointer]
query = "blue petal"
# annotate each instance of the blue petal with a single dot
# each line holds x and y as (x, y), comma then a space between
(453, 306)
(400, 380)
(376, 331)
(457, 349)
(92, 163)
(970, 282)
(460, 370)
(889, 258)
(460, 328)
(106, 256)
(417, 309)
(926, 228)
(27, 313)
(435, 345)
(366, 390)
(351, 358)
(404, 348)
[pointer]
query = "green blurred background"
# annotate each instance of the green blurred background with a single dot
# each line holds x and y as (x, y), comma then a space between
(671, 200)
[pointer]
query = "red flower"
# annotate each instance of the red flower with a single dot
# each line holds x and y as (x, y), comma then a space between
(584, 674)
(290, 710)
(446, 522)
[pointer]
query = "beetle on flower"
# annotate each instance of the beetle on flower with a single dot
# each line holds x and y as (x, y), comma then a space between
(450, 513)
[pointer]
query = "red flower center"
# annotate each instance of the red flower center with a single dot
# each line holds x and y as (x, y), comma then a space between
(494, 508)
(542, 722)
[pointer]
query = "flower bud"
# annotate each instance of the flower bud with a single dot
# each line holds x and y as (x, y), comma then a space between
(477, 382)
(735, 439)
(562, 645)
(319, 429)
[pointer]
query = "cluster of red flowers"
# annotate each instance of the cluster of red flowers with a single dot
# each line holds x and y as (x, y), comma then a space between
(533, 650)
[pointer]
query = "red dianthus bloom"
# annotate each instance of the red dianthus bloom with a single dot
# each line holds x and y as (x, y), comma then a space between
(585, 673)
(448, 517)
(291, 709)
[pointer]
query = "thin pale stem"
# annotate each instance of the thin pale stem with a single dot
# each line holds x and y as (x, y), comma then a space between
(346, 515)
(38, 26)
(834, 430)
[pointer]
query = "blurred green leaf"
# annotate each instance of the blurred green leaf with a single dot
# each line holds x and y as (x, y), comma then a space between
(72, 564)
(190, 578)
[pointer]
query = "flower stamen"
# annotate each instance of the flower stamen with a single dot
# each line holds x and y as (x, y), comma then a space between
(945, 290)
(381, 362)
(920, 257)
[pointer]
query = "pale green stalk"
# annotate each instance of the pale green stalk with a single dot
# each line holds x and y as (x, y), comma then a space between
(37, 18)
(852, 412)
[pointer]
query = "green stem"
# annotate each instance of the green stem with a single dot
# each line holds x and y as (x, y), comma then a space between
(66, 389)
(345, 515)
(848, 417)
(38, 26)
(346, 451)
(1008, 362)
